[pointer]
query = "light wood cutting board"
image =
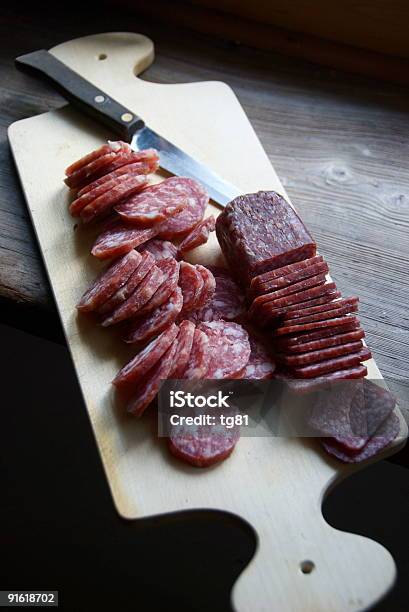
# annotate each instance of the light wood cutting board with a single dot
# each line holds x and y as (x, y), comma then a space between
(276, 484)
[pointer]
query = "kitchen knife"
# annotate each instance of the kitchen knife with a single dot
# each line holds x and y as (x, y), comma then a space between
(125, 123)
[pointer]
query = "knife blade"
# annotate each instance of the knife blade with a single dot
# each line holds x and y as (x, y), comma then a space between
(125, 123)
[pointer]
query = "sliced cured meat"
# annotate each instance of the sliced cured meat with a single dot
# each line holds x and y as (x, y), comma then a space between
(203, 445)
(209, 286)
(197, 200)
(332, 365)
(104, 184)
(351, 412)
(295, 329)
(110, 147)
(320, 355)
(145, 359)
(191, 282)
(336, 313)
(199, 235)
(149, 389)
(185, 342)
(307, 283)
(123, 293)
(258, 281)
(322, 343)
(120, 238)
(305, 312)
(319, 301)
(160, 249)
(155, 203)
(261, 231)
(108, 282)
(145, 327)
(141, 295)
(108, 163)
(386, 433)
(141, 167)
(107, 200)
(229, 348)
(290, 279)
(260, 365)
(271, 309)
(228, 301)
(199, 357)
(309, 385)
(170, 270)
(350, 325)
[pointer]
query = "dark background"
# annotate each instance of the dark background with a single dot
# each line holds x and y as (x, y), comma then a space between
(59, 529)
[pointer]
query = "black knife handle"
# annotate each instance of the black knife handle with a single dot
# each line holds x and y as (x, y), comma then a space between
(82, 93)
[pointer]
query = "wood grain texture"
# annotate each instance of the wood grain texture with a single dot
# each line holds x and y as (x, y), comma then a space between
(339, 145)
(275, 483)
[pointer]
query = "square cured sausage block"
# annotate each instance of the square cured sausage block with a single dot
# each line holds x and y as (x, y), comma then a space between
(260, 232)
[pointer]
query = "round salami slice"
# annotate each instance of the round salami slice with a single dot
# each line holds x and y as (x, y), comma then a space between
(312, 310)
(199, 235)
(182, 223)
(141, 295)
(170, 270)
(145, 359)
(199, 357)
(386, 433)
(141, 167)
(209, 286)
(155, 203)
(323, 343)
(307, 283)
(145, 327)
(229, 348)
(257, 281)
(123, 187)
(160, 249)
(228, 300)
(203, 445)
(260, 365)
(83, 170)
(149, 389)
(185, 342)
(110, 147)
(119, 297)
(293, 278)
(269, 310)
(109, 281)
(120, 238)
(191, 282)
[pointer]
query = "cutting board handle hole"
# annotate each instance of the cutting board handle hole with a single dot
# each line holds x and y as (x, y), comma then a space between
(307, 566)
(102, 56)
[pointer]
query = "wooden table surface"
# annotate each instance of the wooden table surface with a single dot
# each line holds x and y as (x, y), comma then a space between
(339, 144)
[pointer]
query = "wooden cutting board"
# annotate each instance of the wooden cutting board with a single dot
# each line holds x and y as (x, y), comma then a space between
(276, 484)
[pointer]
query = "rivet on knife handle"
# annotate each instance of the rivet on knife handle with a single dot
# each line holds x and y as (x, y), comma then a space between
(83, 94)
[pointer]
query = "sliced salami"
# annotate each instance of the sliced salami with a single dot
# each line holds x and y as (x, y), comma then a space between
(319, 301)
(336, 313)
(320, 355)
(203, 445)
(209, 286)
(295, 329)
(305, 312)
(294, 277)
(270, 309)
(170, 270)
(185, 342)
(199, 357)
(350, 325)
(108, 282)
(105, 202)
(145, 359)
(141, 167)
(332, 365)
(260, 365)
(258, 281)
(191, 282)
(110, 147)
(141, 295)
(155, 203)
(229, 348)
(386, 433)
(119, 297)
(160, 249)
(295, 288)
(199, 235)
(149, 389)
(309, 385)
(322, 343)
(120, 238)
(228, 300)
(182, 223)
(145, 327)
